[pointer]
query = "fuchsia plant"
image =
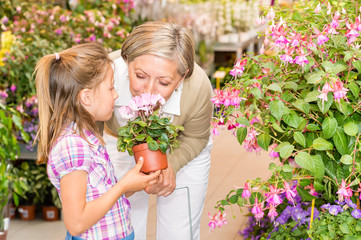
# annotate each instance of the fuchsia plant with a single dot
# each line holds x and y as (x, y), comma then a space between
(306, 98)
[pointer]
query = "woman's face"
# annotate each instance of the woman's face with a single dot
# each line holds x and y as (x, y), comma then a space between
(155, 75)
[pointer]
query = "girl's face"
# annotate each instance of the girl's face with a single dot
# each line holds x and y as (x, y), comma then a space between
(103, 98)
(155, 75)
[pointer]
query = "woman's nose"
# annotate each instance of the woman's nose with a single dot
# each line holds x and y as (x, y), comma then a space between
(150, 88)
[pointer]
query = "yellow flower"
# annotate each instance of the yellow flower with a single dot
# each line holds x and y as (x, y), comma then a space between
(6, 42)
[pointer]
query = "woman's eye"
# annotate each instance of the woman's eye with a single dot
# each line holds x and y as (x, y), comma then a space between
(140, 76)
(164, 84)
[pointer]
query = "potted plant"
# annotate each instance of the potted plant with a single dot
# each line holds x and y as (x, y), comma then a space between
(49, 198)
(11, 185)
(147, 132)
(302, 105)
(31, 173)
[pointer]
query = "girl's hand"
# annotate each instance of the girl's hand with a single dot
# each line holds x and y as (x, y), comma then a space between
(135, 180)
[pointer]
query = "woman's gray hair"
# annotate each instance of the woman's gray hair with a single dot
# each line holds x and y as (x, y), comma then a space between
(166, 40)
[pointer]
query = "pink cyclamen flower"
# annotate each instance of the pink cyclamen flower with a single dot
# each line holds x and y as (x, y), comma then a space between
(238, 68)
(290, 193)
(126, 112)
(272, 196)
(257, 210)
(318, 8)
(246, 190)
(273, 153)
(344, 191)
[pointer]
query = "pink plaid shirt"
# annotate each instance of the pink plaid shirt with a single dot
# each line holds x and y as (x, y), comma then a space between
(71, 153)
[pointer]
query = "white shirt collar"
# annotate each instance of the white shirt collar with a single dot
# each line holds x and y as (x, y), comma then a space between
(121, 85)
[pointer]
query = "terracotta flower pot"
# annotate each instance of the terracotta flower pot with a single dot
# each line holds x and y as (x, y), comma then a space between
(50, 213)
(3, 235)
(27, 212)
(153, 160)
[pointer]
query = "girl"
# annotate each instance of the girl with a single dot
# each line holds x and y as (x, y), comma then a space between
(75, 89)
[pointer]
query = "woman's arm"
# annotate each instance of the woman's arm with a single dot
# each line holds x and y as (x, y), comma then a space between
(80, 215)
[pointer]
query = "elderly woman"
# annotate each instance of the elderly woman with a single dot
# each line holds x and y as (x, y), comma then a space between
(158, 57)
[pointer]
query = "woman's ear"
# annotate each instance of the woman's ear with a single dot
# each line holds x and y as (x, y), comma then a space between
(85, 97)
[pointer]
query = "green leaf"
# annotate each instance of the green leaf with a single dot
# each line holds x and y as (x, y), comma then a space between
(312, 96)
(328, 66)
(312, 163)
(313, 127)
(314, 77)
(300, 138)
(302, 105)
(344, 228)
(256, 93)
(263, 141)
(329, 127)
(292, 120)
(339, 68)
(152, 145)
(357, 65)
(277, 108)
(355, 89)
(340, 141)
(287, 168)
(351, 128)
(140, 137)
(305, 196)
(286, 151)
(346, 159)
(163, 147)
(322, 144)
(243, 121)
(324, 106)
(275, 87)
(241, 134)
(291, 85)
(277, 127)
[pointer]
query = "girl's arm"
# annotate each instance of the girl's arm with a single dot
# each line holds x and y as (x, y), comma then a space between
(80, 215)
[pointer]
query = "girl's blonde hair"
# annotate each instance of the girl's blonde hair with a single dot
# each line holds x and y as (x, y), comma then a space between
(59, 80)
(162, 39)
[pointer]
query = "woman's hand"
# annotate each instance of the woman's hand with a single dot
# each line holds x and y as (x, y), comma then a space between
(165, 185)
(135, 180)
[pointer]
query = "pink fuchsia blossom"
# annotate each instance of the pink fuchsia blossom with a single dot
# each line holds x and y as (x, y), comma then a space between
(215, 131)
(301, 58)
(352, 28)
(287, 56)
(260, 21)
(217, 220)
(359, 191)
(318, 8)
(329, 8)
(273, 153)
(321, 39)
(344, 191)
(227, 97)
(246, 190)
(272, 213)
(312, 190)
(250, 143)
(272, 196)
(3, 94)
(271, 14)
(339, 91)
(238, 68)
(290, 193)
(13, 88)
(325, 90)
(257, 210)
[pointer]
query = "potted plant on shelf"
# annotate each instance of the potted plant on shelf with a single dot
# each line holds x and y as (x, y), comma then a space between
(30, 172)
(302, 105)
(49, 198)
(147, 132)
(11, 184)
